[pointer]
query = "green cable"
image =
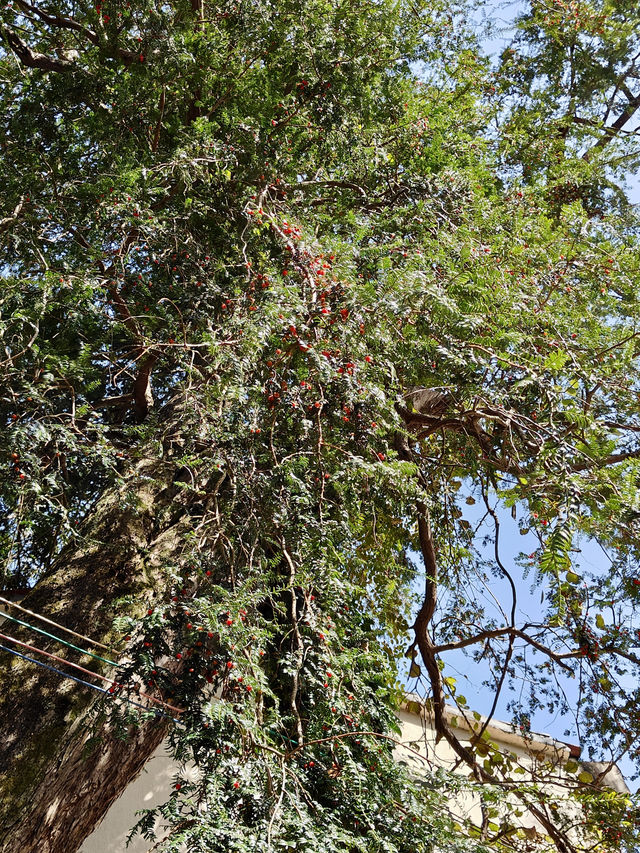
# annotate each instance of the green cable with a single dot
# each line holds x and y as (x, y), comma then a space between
(58, 640)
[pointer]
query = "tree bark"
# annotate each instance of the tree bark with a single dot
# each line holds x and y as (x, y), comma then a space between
(57, 779)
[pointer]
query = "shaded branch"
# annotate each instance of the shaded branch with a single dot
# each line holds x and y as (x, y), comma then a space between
(298, 651)
(59, 21)
(156, 135)
(31, 58)
(142, 395)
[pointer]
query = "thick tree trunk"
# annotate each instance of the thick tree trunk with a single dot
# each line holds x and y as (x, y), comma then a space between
(56, 779)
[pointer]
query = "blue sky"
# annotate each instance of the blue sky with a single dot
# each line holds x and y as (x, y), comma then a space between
(587, 557)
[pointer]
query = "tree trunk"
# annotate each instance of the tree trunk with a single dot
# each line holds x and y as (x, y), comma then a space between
(56, 779)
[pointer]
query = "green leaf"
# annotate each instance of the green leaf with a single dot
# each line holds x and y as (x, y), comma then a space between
(556, 361)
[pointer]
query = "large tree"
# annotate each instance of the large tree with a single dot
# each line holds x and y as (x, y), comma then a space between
(287, 288)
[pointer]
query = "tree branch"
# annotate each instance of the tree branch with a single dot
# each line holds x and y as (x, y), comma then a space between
(612, 459)
(156, 135)
(142, 395)
(9, 220)
(611, 131)
(509, 631)
(429, 657)
(47, 63)
(59, 21)
(33, 59)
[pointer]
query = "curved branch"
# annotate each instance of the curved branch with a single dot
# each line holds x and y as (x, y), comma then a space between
(442, 728)
(509, 631)
(33, 59)
(59, 21)
(610, 132)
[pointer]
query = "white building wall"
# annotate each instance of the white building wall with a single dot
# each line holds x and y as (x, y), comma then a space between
(151, 788)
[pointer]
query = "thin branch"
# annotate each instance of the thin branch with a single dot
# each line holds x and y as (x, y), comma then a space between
(613, 129)
(612, 459)
(510, 632)
(299, 646)
(442, 728)
(156, 135)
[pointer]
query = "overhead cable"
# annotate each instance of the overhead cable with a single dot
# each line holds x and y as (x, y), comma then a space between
(58, 639)
(114, 684)
(102, 690)
(55, 624)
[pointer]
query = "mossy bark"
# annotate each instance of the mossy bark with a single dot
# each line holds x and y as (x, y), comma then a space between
(57, 779)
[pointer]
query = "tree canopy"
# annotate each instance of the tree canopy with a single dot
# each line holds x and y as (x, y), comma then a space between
(299, 300)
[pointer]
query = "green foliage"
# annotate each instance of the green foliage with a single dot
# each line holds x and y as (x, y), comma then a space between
(244, 238)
